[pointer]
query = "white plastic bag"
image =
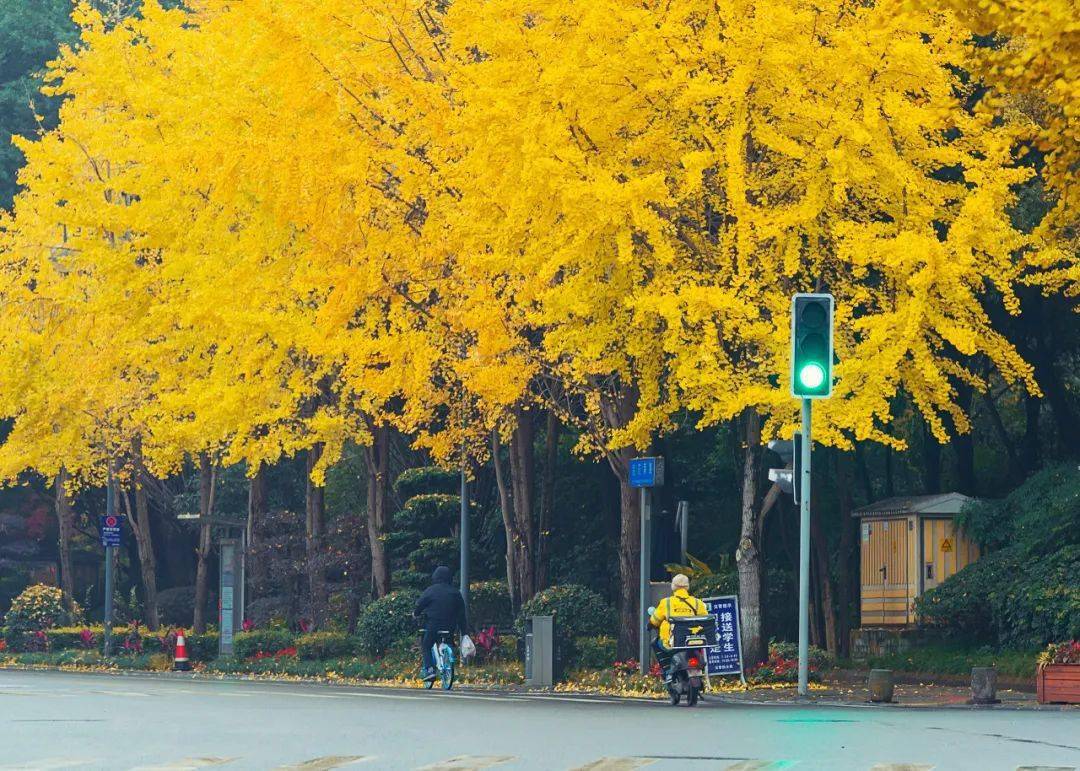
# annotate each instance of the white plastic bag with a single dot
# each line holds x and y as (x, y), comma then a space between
(468, 647)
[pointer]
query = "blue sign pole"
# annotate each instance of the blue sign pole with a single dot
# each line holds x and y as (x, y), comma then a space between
(645, 473)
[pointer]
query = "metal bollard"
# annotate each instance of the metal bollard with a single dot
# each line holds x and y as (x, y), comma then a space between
(880, 683)
(984, 685)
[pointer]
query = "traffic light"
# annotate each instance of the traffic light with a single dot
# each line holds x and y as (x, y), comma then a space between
(811, 345)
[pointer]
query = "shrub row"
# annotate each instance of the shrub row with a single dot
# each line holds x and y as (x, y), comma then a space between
(201, 647)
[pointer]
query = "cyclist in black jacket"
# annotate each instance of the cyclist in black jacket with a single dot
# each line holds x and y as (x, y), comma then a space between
(442, 609)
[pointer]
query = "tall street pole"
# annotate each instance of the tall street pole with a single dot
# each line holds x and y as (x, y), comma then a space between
(463, 571)
(110, 510)
(804, 553)
(645, 570)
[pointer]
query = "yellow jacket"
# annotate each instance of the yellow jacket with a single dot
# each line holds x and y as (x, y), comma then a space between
(680, 603)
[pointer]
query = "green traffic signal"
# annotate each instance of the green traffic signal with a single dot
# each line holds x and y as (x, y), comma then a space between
(811, 345)
(812, 376)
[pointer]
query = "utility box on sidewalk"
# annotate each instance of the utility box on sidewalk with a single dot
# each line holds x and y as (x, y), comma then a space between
(540, 651)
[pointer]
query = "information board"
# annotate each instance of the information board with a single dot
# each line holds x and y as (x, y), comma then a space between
(726, 657)
(646, 472)
(111, 528)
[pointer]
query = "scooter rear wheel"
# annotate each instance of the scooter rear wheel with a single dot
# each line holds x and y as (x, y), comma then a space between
(692, 696)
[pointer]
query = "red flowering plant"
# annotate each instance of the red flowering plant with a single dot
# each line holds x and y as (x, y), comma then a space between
(487, 641)
(286, 653)
(132, 640)
(168, 642)
(3, 645)
(37, 642)
(87, 639)
(782, 666)
(1061, 653)
(248, 625)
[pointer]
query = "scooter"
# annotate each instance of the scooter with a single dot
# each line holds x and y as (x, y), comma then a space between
(686, 667)
(687, 676)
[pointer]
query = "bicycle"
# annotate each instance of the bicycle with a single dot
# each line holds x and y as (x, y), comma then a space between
(442, 653)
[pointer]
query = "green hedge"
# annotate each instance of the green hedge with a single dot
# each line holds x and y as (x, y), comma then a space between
(578, 611)
(594, 652)
(427, 479)
(247, 644)
(489, 605)
(387, 622)
(320, 646)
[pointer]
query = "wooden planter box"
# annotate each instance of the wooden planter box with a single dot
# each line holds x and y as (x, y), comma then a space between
(1058, 683)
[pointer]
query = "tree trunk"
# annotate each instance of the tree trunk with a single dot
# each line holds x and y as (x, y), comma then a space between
(378, 466)
(846, 565)
(630, 626)
(145, 542)
(547, 501)
(207, 483)
(523, 482)
(257, 511)
(617, 410)
(748, 557)
(819, 549)
(315, 525)
(931, 457)
(65, 519)
(964, 444)
(1030, 447)
(509, 524)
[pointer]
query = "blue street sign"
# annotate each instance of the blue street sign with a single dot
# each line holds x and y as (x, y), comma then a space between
(646, 472)
(726, 657)
(110, 525)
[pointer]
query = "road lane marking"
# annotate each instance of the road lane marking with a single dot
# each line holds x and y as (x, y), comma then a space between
(615, 764)
(49, 764)
(326, 763)
(468, 763)
(902, 767)
(186, 764)
(1046, 768)
(761, 765)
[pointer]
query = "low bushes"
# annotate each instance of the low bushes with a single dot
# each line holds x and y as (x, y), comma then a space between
(262, 641)
(320, 646)
(958, 660)
(387, 621)
(37, 609)
(594, 652)
(489, 605)
(578, 611)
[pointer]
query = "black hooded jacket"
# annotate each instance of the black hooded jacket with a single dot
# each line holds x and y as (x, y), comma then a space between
(441, 606)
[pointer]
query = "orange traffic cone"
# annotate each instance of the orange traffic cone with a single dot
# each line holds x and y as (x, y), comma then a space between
(180, 662)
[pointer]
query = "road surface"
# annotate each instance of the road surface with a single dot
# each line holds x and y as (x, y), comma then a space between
(51, 720)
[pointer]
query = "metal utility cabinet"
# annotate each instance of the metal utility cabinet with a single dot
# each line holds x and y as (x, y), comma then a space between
(540, 651)
(908, 545)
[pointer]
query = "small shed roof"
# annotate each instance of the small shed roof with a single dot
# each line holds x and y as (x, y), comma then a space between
(943, 503)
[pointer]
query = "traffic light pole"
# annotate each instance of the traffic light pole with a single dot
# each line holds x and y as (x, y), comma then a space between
(804, 552)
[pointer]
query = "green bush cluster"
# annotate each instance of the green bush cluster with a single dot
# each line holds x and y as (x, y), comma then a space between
(1023, 592)
(387, 621)
(265, 641)
(201, 647)
(597, 652)
(489, 605)
(321, 646)
(579, 613)
(427, 479)
(40, 607)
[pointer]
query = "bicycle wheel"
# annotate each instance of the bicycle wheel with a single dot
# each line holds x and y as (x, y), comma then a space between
(447, 668)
